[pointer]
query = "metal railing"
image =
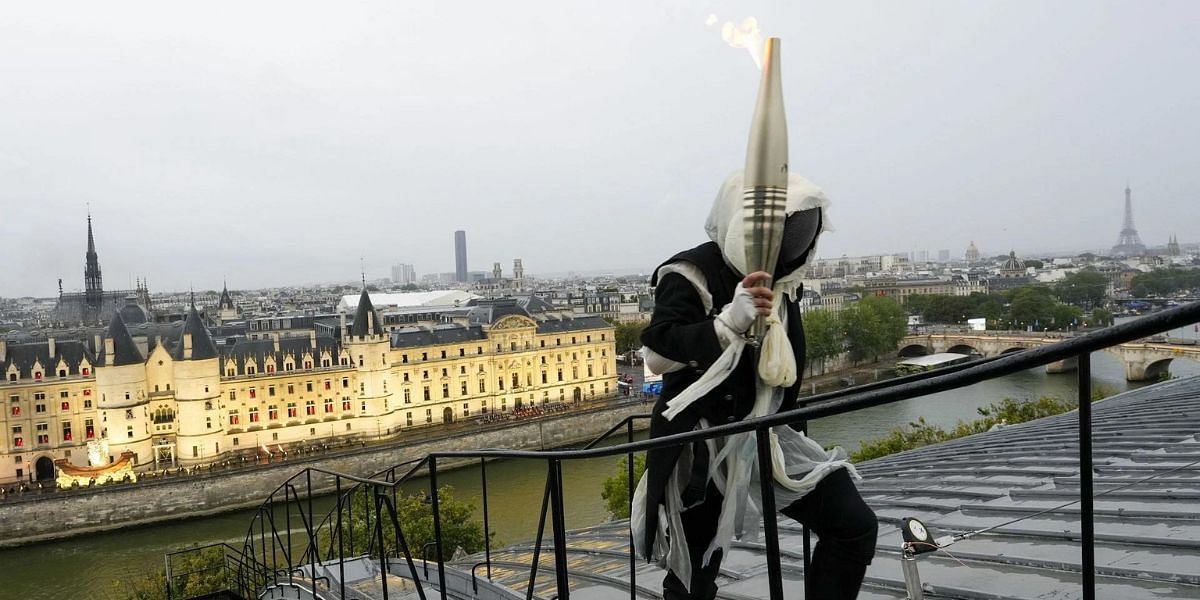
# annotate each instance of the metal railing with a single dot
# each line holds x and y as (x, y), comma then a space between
(285, 545)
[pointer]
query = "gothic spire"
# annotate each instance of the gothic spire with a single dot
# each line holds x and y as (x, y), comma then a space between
(92, 284)
(91, 240)
(226, 302)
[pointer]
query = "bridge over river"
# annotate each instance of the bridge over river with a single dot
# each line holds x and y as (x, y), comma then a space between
(1145, 360)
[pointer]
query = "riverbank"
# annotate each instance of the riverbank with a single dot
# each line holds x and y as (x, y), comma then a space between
(849, 376)
(33, 517)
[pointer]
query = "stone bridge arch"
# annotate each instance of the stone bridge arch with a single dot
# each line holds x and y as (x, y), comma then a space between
(963, 348)
(1149, 362)
(912, 350)
(1158, 369)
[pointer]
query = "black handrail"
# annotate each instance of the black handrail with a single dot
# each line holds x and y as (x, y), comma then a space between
(822, 405)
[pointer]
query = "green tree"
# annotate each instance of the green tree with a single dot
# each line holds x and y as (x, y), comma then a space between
(1064, 316)
(873, 326)
(950, 309)
(615, 492)
(415, 514)
(629, 336)
(1100, 318)
(1086, 288)
(991, 308)
(916, 304)
(822, 337)
(193, 574)
(1164, 281)
(1031, 306)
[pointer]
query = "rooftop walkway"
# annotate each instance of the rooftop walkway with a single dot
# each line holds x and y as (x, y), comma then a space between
(1147, 535)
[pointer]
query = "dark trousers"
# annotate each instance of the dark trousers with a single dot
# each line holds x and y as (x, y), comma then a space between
(845, 526)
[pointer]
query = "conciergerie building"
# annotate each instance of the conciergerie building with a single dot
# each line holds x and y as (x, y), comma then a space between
(155, 395)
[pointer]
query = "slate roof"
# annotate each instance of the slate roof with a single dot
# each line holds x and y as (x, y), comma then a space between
(203, 346)
(1148, 535)
(572, 324)
(487, 312)
(411, 337)
(360, 317)
(134, 313)
(125, 351)
(24, 355)
(263, 352)
(168, 334)
(535, 304)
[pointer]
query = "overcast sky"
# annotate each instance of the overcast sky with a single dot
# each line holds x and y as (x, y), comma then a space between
(277, 142)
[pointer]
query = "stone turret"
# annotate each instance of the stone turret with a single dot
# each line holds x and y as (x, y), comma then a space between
(369, 348)
(121, 384)
(198, 393)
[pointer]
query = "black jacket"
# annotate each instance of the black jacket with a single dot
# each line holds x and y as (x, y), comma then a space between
(681, 331)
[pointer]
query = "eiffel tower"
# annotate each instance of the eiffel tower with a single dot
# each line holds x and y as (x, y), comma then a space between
(1129, 243)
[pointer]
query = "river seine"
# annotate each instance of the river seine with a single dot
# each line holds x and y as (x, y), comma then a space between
(92, 566)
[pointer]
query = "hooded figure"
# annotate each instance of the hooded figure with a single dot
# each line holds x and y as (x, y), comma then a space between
(693, 501)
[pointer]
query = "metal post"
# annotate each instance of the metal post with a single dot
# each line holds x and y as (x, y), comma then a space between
(341, 540)
(262, 538)
(167, 560)
(383, 570)
(350, 515)
(912, 579)
(312, 535)
(537, 544)
(629, 491)
(1087, 525)
(287, 523)
(487, 530)
(766, 479)
(807, 535)
(437, 525)
(402, 546)
(559, 521)
(274, 538)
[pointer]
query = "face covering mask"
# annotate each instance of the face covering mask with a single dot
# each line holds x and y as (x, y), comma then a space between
(800, 231)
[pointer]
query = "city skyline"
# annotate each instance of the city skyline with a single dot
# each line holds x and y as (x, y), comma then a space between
(392, 267)
(604, 156)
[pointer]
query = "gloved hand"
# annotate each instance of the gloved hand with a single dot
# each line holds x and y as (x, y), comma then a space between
(739, 315)
(749, 301)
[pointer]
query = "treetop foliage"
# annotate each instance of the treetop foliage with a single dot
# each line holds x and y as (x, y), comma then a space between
(1165, 281)
(616, 491)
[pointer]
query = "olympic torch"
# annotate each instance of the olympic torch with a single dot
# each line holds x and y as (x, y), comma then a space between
(764, 195)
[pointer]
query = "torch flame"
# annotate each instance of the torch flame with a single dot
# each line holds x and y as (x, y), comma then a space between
(747, 35)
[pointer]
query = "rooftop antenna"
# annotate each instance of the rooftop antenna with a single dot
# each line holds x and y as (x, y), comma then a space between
(363, 270)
